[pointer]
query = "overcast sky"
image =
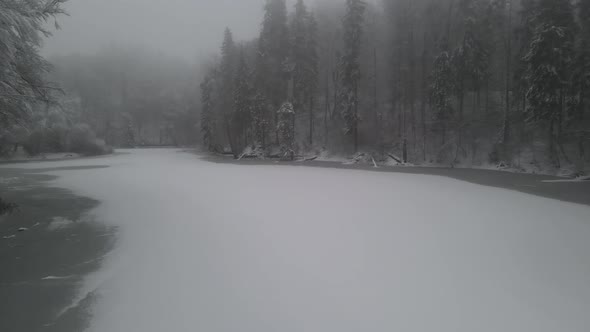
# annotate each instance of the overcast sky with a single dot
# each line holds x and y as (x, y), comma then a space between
(186, 28)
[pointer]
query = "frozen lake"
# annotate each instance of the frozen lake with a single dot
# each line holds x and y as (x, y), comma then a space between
(222, 247)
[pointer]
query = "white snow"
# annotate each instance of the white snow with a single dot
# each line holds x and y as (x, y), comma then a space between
(57, 278)
(59, 223)
(580, 179)
(215, 247)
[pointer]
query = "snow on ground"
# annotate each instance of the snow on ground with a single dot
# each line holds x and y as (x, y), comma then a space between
(59, 223)
(580, 179)
(216, 247)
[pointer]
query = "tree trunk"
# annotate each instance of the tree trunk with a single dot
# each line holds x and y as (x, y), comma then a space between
(461, 108)
(311, 121)
(412, 87)
(376, 104)
(356, 118)
(424, 98)
(581, 152)
(336, 87)
(487, 108)
(326, 109)
(232, 145)
(552, 154)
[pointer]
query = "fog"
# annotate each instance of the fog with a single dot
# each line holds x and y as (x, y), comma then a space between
(178, 27)
(294, 165)
(184, 28)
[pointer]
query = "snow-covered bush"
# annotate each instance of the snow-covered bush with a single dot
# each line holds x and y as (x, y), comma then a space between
(82, 140)
(78, 139)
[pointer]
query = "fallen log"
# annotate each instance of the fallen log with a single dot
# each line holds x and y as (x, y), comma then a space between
(395, 158)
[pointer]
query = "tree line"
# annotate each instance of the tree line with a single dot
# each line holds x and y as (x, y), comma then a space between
(448, 81)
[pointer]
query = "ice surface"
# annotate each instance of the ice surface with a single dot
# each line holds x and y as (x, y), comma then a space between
(214, 247)
(57, 278)
(59, 223)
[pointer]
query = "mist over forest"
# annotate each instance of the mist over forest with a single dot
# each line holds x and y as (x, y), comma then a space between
(450, 82)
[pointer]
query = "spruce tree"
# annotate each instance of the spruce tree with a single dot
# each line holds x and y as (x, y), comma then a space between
(286, 130)
(441, 89)
(207, 112)
(242, 96)
(581, 81)
(548, 62)
(273, 51)
(305, 60)
(227, 70)
(350, 71)
(260, 119)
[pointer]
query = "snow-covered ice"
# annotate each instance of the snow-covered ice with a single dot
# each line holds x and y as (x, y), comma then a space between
(57, 278)
(220, 247)
(59, 223)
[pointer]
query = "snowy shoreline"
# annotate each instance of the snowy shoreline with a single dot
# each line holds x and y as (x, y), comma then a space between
(549, 186)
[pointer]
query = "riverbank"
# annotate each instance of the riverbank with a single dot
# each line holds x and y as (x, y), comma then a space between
(539, 185)
(47, 247)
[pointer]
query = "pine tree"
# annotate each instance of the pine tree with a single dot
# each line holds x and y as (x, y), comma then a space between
(548, 62)
(207, 112)
(581, 81)
(286, 130)
(442, 88)
(129, 134)
(242, 117)
(227, 70)
(350, 67)
(260, 121)
(305, 60)
(470, 59)
(273, 51)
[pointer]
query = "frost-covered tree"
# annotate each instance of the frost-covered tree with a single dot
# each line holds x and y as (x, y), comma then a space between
(286, 130)
(581, 81)
(227, 71)
(548, 62)
(441, 89)
(273, 51)
(350, 67)
(305, 60)
(22, 68)
(208, 122)
(260, 120)
(470, 59)
(242, 96)
(472, 89)
(130, 141)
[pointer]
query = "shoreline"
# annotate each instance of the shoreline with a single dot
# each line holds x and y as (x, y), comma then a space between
(49, 160)
(547, 186)
(48, 246)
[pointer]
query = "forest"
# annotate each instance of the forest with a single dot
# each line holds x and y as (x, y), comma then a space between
(418, 82)
(460, 82)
